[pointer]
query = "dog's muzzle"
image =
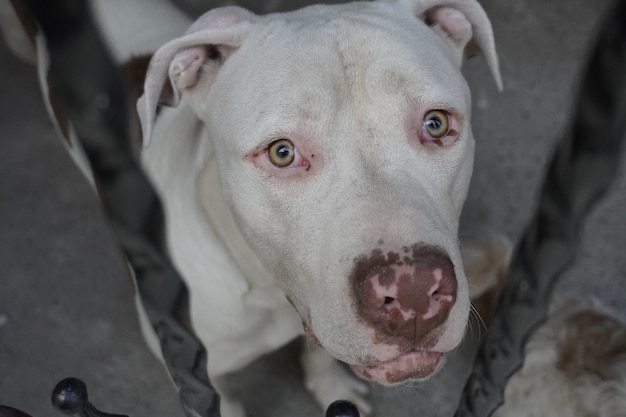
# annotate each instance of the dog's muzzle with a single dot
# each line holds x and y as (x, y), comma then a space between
(405, 298)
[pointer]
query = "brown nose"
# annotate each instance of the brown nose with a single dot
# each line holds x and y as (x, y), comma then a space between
(405, 297)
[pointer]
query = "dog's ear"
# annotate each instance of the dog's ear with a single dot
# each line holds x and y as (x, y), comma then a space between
(464, 25)
(179, 64)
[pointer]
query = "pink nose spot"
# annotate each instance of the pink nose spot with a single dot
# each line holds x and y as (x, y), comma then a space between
(437, 299)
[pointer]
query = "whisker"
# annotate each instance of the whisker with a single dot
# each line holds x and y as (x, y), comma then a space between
(475, 313)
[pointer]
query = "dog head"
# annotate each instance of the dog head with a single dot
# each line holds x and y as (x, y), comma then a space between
(344, 149)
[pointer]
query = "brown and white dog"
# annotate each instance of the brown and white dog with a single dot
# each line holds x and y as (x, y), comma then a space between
(575, 365)
(316, 159)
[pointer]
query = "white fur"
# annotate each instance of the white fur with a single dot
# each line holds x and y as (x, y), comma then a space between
(135, 27)
(342, 82)
(236, 227)
(348, 85)
(541, 388)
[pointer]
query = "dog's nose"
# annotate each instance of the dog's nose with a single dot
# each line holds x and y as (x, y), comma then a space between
(404, 298)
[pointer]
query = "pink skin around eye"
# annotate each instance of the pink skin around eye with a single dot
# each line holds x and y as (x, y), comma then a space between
(447, 139)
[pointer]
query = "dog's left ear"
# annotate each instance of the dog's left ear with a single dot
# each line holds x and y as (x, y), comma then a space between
(464, 25)
(179, 64)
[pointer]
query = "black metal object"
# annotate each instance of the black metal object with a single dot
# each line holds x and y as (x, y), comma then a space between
(94, 99)
(582, 169)
(342, 408)
(70, 397)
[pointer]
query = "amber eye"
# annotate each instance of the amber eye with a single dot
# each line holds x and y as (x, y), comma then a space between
(436, 123)
(281, 153)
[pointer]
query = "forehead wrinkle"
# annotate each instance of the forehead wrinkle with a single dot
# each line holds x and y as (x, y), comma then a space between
(327, 48)
(352, 73)
(343, 47)
(307, 86)
(393, 62)
(412, 79)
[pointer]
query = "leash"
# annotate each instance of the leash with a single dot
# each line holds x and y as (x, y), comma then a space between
(583, 166)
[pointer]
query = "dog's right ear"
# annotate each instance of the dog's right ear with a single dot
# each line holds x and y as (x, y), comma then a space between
(179, 64)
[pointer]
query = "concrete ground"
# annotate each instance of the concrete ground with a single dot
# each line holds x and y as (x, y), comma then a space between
(66, 305)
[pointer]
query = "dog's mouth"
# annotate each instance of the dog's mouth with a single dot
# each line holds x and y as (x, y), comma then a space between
(417, 364)
(411, 365)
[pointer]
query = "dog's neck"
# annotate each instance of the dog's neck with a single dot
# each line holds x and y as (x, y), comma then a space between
(197, 213)
(224, 276)
(220, 217)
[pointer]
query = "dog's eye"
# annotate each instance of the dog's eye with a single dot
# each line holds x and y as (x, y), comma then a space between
(440, 128)
(436, 124)
(282, 153)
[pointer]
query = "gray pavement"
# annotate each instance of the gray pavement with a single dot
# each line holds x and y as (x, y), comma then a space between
(66, 305)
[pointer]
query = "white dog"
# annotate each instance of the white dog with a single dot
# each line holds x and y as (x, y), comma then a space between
(328, 151)
(322, 154)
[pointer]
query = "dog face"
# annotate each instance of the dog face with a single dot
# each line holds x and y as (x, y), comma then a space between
(344, 149)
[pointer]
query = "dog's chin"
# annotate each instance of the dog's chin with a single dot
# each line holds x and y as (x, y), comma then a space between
(411, 366)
